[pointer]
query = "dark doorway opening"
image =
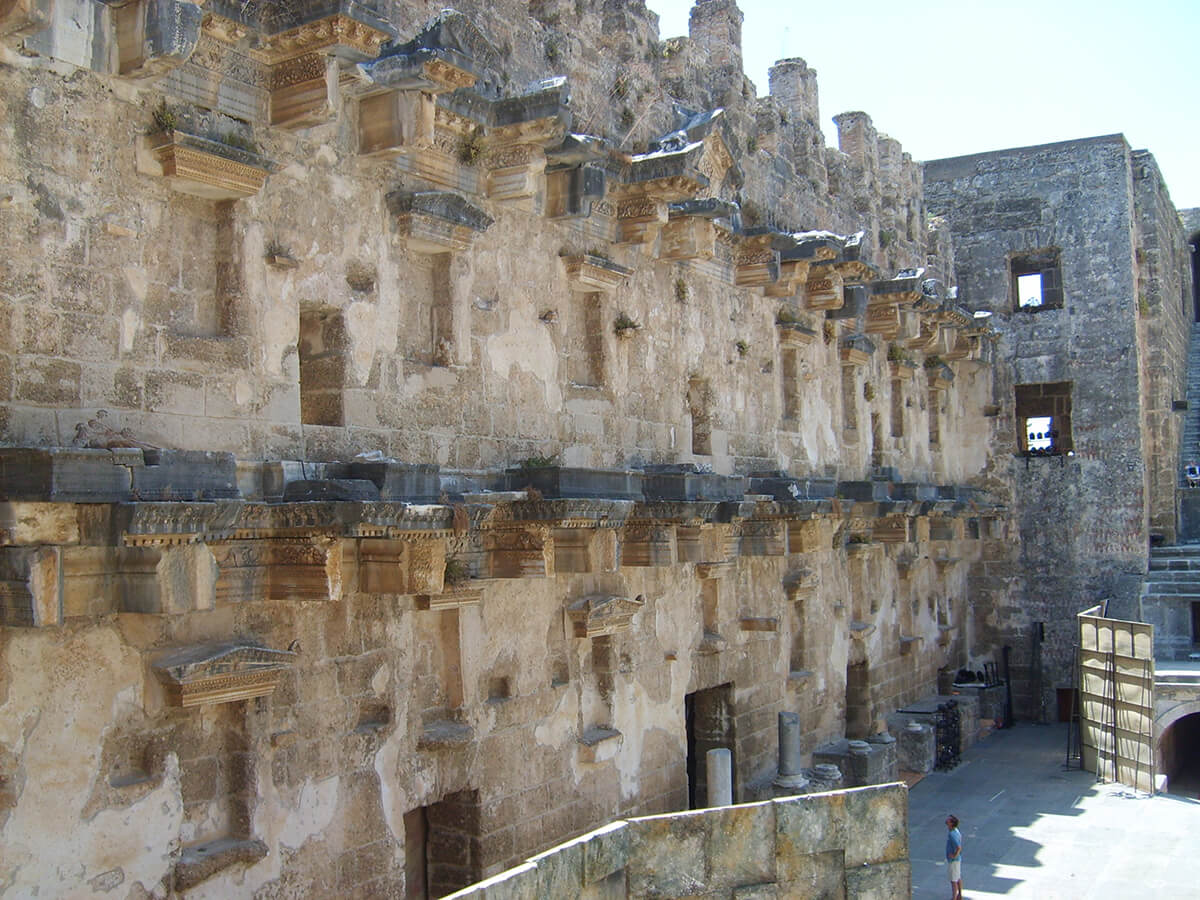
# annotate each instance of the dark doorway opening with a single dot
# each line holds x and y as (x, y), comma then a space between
(442, 846)
(709, 716)
(1179, 756)
(1195, 622)
(1194, 243)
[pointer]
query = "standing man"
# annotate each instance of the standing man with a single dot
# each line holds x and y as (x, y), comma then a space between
(954, 857)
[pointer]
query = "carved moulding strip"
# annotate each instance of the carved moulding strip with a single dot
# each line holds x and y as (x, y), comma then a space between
(795, 334)
(220, 672)
(203, 168)
(455, 598)
(601, 614)
(338, 34)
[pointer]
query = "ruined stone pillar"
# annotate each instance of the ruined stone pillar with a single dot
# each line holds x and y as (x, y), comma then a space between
(790, 776)
(719, 767)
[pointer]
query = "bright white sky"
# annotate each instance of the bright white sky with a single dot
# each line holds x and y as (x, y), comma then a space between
(950, 78)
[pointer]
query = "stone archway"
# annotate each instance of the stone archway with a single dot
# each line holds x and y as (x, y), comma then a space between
(1177, 747)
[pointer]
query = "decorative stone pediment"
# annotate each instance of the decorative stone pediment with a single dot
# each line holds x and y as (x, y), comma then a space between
(601, 614)
(210, 169)
(590, 273)
(221, 672)
(436, 221)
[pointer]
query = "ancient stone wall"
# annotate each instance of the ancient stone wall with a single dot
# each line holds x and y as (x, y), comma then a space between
(852, 843)
(1089, 355)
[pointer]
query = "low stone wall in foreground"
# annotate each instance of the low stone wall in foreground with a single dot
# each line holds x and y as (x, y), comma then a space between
(851, 843)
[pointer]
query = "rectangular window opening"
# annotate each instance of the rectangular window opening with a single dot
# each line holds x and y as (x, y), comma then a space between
(1043, 414)
(1036, 280)
(1029, 290)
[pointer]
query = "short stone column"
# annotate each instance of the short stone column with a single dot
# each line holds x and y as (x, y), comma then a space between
(917, 748)
(790, 776)
(826, 777)
(719, 768)
(858, 764)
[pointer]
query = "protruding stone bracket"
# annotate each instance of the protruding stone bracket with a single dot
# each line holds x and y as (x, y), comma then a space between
(856, 350)
(890, 530)
(599, 744)
(575, 178)
(601, 614)
(220, 672)
(348, 38)
(588, 273)
(207, 168)
(758, 623)
(940, 377)
(823, 289)
(691, 232)
(809, 536)
(795, 334)
(801, 584)
(278, 569)
(436, 221)
(708, 570)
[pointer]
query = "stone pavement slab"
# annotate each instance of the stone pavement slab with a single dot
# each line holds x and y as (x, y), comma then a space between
(1032, 829)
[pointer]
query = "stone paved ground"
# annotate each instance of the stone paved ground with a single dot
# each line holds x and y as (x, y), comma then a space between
(1032, 829)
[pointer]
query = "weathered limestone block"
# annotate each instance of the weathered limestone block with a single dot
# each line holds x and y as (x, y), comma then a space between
(304, 91)
(763, 538)
(407, 566)
(823, 289)
(31, 587)
(519, 552)
(392, 122)
(648, 545)
(155, 36)
(199, 863)
(855, 350)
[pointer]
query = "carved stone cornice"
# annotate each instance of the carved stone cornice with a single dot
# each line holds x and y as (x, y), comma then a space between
(339, 34)
(436, 221)
(209, 169)
(823, 289)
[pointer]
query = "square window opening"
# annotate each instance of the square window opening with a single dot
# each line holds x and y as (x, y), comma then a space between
(1036, 280)
(1043, 414)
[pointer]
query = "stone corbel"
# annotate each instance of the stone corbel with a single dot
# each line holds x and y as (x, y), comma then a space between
(206, 168)
(801, 584)
(514, 171)
(756, 262)
(521, 128)
(793, 273)
(303, 91)
(22, 17)
(639, 219)
(690, 232)
(519, 552)
(823, 289)
(278, 569)
(436, 221)
(940, 377)
(220, 672)
(809, 535)
(926, 340)
(588, 274)
(856, 350)
(601, 614)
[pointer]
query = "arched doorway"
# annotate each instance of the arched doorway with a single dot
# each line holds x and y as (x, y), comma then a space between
(1179, 756)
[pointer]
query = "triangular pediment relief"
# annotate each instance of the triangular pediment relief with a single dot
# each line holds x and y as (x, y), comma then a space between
(600, 614)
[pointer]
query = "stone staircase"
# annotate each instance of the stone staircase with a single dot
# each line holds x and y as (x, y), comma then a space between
(1171, 587)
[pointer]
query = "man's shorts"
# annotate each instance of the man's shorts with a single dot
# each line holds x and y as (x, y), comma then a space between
(955, 867)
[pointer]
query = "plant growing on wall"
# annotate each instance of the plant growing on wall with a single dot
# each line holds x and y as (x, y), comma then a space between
(681, 290)
(868, 391)
(538, 462)
(742, 347)
(829, 332)
(470, 147)
(165, 117)
(456, 571)
(933, 362)
(623, 326)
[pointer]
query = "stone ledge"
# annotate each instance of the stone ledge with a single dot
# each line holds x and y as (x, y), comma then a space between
(203, 861)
